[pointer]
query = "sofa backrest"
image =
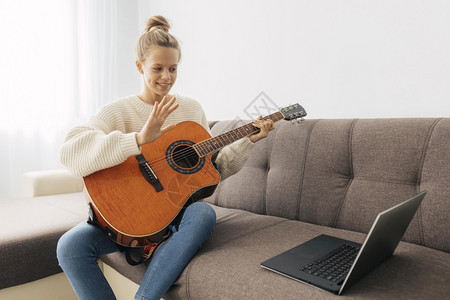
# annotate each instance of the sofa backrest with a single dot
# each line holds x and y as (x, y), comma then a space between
(342, 173)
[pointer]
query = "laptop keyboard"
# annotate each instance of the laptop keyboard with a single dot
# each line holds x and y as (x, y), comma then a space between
(333, 266)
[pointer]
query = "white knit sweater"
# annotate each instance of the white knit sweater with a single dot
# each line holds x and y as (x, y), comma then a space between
(109, 137)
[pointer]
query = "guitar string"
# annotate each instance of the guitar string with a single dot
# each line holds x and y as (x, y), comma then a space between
(193, 154)
(184, 153)
(239, 130)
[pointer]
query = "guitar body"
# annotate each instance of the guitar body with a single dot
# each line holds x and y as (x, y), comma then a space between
(134, 202)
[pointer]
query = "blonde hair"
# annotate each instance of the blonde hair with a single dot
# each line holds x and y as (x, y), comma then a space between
(156, 34)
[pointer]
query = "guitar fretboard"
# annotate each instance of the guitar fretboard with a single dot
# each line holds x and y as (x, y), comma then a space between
(216, 143)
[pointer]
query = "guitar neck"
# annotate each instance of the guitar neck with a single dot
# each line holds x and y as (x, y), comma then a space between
(218, 142)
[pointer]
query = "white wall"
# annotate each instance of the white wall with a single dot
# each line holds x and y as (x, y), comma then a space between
(339, 59)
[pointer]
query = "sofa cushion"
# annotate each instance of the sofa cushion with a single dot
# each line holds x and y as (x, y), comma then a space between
(342, 173)
(232, 230)
(228, 264)
(31, 228)
(221, 266)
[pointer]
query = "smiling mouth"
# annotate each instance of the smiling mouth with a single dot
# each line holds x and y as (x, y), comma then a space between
(164, 84)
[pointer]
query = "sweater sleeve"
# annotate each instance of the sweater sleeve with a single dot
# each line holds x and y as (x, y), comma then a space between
(232, 157)
(95, 146)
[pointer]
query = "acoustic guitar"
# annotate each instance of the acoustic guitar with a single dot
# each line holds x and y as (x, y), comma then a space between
(134, 202)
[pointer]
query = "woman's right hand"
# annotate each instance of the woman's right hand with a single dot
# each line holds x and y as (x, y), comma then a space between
(152, 128)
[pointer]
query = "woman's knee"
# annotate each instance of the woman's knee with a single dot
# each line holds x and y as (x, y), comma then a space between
(211, 215)
(65, 246)
(204, 213)
(76, 242)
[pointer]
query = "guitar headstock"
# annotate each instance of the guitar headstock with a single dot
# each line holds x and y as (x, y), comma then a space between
(293, 111)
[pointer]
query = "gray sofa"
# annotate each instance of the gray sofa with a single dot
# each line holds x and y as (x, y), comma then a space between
(305, 179)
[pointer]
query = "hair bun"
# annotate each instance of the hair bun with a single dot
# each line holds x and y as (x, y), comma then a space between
(156, 34)
(157, 22)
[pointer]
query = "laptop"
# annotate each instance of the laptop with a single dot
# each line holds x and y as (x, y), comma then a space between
(334, 264)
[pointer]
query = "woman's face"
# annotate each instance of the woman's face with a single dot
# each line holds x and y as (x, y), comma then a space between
(159, 70)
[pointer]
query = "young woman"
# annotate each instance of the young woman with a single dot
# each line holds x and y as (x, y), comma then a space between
(115, 133)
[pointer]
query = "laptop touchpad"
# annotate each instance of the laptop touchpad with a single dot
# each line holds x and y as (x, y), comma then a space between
(309, 250)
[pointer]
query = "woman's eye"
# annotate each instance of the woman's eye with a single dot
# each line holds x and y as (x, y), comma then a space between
(157, 69)
(172, 69)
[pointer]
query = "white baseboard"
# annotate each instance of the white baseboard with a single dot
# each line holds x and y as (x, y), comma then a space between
(55, 287)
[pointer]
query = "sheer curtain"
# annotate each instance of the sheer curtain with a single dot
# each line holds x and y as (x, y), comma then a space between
(58, 66)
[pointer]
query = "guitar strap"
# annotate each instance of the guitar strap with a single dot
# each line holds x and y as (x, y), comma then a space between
(149, 250)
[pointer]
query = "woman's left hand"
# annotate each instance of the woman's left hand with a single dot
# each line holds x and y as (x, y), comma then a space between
(265, 126)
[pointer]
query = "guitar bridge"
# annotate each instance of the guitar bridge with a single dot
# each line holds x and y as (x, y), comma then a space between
(148, 173)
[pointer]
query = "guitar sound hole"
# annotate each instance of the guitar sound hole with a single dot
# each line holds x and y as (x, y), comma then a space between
(183, 158)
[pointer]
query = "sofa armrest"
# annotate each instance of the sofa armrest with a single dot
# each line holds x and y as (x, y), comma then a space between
(50, 182)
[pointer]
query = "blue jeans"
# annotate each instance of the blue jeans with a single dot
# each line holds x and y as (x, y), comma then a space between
(79, 248)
